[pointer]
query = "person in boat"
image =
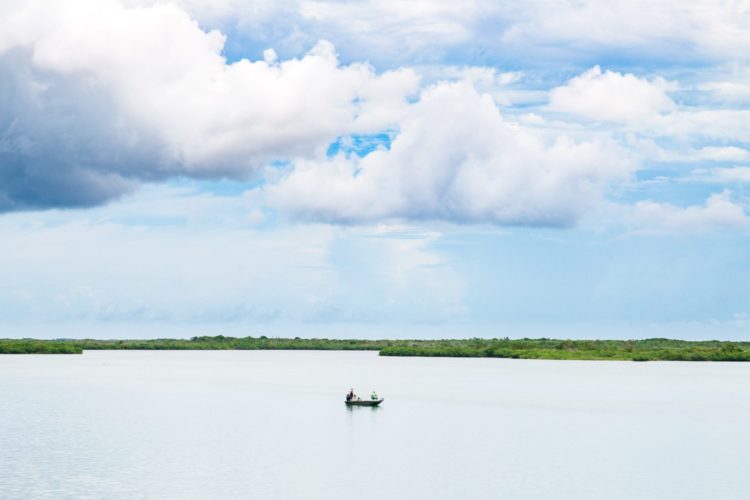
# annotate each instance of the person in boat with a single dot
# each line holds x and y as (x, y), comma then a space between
(350, 395)
(374, 396)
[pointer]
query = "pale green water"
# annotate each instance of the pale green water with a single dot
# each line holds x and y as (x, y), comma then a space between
(272, 425)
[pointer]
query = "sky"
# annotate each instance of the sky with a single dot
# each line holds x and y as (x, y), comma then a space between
(370, 169)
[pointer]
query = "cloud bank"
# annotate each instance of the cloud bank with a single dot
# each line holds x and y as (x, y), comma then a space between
(531, 31)
(99, 97)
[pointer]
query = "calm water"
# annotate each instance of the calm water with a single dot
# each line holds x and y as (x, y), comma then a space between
(267, 425)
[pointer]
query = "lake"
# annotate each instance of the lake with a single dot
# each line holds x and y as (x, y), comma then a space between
(273, 425)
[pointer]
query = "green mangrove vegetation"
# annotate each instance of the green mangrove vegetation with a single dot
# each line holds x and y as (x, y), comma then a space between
(219, 342)
(34, 346)
(634, 350)
(658, 349)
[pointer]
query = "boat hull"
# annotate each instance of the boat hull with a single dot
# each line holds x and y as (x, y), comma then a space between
(364, 402)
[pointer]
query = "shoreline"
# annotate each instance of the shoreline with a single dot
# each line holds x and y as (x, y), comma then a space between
(658, 349)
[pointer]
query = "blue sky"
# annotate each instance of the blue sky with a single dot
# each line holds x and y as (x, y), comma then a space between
(374, 169)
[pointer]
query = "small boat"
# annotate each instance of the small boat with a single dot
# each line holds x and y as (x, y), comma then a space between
(364, 402)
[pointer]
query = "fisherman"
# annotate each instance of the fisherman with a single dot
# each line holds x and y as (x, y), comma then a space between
(350, 394)
(374, 396)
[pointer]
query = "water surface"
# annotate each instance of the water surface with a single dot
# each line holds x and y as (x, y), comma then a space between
(273, 425)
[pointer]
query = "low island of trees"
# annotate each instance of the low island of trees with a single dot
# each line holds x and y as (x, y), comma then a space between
(658, 349)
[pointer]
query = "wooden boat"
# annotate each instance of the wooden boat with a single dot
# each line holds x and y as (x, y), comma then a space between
(364, 402)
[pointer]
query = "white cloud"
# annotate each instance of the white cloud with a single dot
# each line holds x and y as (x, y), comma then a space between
(612, 96)
(643, 109)
(421, 22)
(736, 174)
(718, 124)
(427, 30)
(457, 159)
(730, 91)
(164, 86)
(101, 96)
(682, 154)
(719, 212)
(649, 28)
(724, 153)
(213, 113)
(369, 30)
(719, 175)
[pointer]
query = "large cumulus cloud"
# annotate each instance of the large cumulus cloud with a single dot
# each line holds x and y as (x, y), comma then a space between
(456, 158)
(97, 97)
